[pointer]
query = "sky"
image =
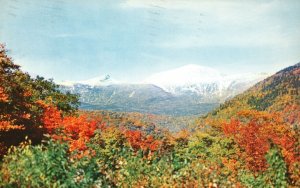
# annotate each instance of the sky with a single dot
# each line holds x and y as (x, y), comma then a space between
(133, 39)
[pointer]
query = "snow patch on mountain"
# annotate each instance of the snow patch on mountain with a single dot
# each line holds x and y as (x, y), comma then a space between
(203, 81)
(104, 80)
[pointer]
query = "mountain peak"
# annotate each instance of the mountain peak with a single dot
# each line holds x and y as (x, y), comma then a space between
(96, 81)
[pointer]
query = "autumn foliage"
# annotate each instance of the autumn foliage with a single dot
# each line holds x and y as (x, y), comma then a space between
(3, 95)
(20, 98)
(77, 131)
(139, 141)
(252, 144)
(254, 131)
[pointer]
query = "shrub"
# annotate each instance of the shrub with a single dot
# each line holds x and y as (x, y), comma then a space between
(47, 165)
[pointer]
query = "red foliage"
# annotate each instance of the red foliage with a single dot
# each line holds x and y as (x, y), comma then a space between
(254, 131)
(52, 119)
(139, 141)
(77, 131)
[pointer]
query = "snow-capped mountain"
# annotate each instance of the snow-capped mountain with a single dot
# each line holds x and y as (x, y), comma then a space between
(203, 81)
(93, 82)
(190, 89)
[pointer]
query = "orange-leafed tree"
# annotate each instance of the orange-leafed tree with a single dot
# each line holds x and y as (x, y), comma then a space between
(255, 130)
(76, 130)
(20, 112)
(140, 141)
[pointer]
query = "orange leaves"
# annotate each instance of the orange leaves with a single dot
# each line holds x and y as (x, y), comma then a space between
(232, 127)
(255, 145)
(7, 126)
(79, 130)
(52, 119)
(254, 130)
(152, 144)
(138, 141)
(26, 116)
(134, 138)
(76, 130)
(82, 126)
(27, 93)
(3, 95)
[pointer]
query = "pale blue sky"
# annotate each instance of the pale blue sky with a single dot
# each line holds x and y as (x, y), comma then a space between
(78, 40)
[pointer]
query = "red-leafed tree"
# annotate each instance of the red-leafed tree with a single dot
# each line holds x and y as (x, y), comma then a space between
(255, 130)
(139, 141)
(77, 131)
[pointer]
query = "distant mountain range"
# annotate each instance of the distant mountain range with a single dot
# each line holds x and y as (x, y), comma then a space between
(188, 90)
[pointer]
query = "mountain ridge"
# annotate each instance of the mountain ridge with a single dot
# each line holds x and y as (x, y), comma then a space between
(188, 98)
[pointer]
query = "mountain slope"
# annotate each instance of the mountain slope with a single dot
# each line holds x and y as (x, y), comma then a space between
(144, 98)
(277, 93)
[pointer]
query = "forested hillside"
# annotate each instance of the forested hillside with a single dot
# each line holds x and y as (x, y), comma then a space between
(250, 141)
(278, 93)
